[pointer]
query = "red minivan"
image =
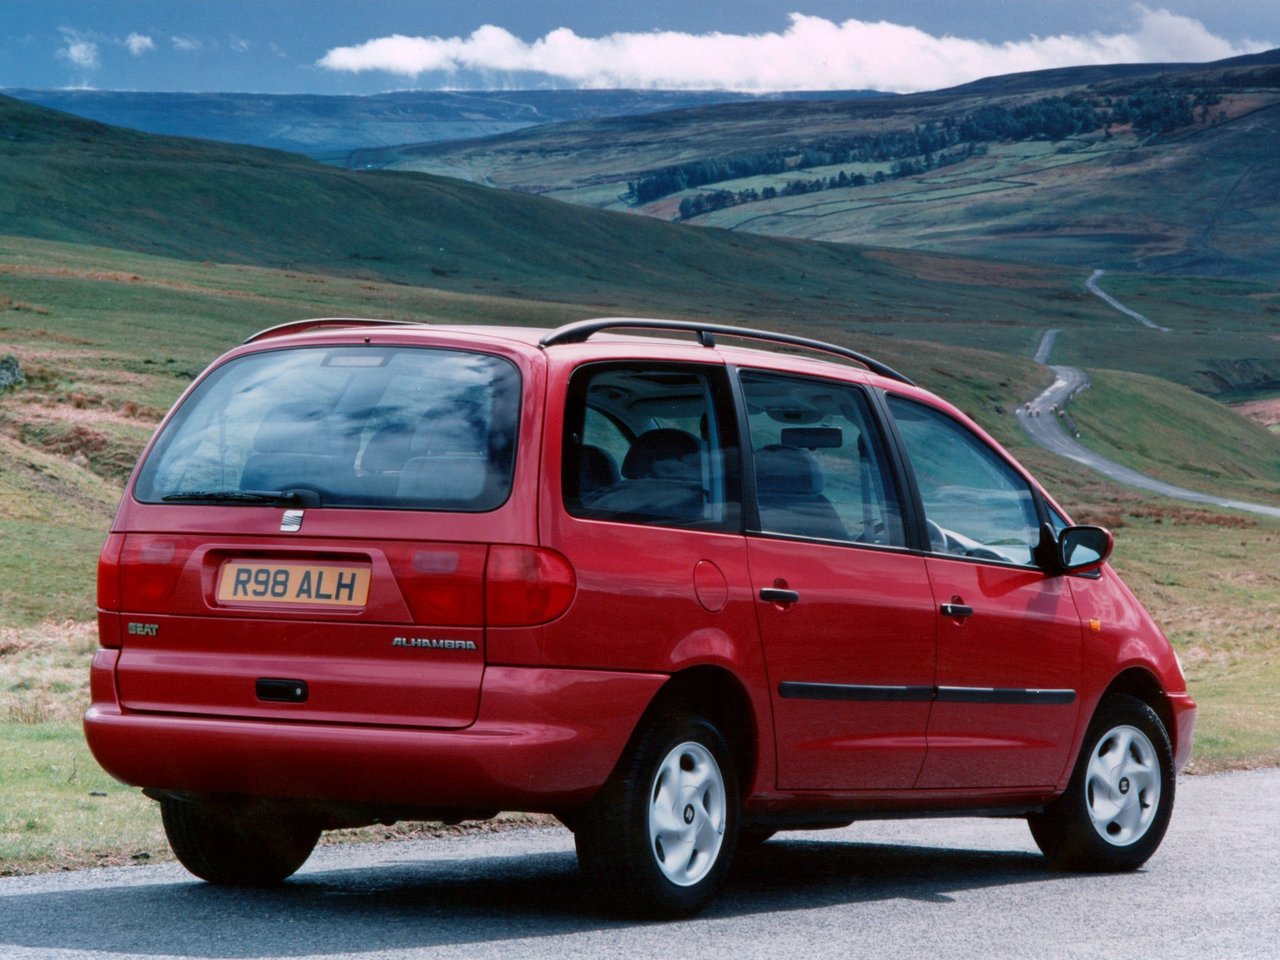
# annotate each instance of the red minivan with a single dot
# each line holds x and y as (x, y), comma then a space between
(678, 593)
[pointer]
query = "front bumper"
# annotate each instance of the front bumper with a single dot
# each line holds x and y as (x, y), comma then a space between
(1183, 732)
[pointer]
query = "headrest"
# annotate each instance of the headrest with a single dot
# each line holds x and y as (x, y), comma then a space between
(787, 470)
(665, 454)
(388, 449)
(596, 468)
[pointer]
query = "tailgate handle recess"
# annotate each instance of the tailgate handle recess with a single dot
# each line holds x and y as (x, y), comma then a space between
(281, 691)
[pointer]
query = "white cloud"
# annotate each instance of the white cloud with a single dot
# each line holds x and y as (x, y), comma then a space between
(139, 44)
(811, 54)
(184, 44)
(82, 51)
(238, 44)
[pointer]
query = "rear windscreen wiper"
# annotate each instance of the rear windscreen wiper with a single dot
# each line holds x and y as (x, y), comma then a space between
(268, 497)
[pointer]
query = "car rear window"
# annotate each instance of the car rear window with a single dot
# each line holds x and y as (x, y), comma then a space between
(397, 427)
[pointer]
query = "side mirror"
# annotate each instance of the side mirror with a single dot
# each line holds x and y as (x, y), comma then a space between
(1083, 549)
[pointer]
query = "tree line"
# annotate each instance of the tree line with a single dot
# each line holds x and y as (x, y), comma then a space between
(1150, 110)
(700, 203)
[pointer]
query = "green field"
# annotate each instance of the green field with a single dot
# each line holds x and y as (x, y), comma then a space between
(1143, 423)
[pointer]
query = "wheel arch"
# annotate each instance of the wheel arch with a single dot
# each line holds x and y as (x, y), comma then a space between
(1143, 685)
(716, 694)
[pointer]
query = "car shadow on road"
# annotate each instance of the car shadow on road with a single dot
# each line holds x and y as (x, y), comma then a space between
(474, 901)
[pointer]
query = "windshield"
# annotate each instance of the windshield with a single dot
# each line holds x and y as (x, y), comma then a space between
(399, 427)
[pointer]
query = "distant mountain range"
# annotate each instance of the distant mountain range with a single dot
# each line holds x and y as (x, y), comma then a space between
(1165, 168)
(320, 126)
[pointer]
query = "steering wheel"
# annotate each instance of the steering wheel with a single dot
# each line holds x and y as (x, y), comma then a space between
(983, 553)
(938, 541)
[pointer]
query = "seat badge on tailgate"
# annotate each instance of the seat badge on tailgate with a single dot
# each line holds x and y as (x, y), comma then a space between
(291, 521)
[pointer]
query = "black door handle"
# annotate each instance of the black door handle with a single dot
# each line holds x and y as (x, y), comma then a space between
(778, 595)
(957, 610)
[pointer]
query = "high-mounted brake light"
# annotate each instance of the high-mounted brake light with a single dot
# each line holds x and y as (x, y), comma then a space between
(525, 586)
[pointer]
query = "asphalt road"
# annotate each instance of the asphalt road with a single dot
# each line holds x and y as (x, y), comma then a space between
(903, 889)
(1047, 430)
(1092, 285)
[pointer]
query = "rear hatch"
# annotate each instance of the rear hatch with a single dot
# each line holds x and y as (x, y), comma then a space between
(309, 538)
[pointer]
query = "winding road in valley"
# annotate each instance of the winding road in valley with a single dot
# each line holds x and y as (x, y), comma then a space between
(1047, 430)
(1092, 286)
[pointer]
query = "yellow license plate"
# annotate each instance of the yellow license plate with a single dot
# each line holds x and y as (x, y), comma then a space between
(251, 581)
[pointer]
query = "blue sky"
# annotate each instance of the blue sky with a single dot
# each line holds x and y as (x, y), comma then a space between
(368, 46)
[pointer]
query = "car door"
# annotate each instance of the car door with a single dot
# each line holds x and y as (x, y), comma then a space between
(648, 515)
(845, 611)
(1009, 637)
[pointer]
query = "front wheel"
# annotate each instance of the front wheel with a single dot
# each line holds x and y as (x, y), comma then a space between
(243, 843)
(1116, 808)
(659, 838)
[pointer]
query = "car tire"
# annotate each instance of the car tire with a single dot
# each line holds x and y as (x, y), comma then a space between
(1116, 808)
(241, 844)
(659, 838)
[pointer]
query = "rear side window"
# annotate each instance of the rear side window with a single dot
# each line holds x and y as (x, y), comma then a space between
(651, 444)
(393, 427)
(820, 467)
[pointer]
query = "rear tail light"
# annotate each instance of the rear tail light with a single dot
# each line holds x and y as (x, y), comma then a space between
(443, 583)
(525, 586)
(154, 565)
(109, 573)
(109, 599)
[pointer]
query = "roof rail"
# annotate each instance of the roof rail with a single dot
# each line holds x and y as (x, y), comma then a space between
(298, 326)
(581, 330)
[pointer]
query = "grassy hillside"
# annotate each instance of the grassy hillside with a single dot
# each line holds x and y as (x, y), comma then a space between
(1183, 193)
(66, 179)
(1178, 436)
(1201, 202)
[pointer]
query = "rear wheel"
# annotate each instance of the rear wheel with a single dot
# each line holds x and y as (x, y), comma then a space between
(237, 843)
(1116, 809)
(659, 838)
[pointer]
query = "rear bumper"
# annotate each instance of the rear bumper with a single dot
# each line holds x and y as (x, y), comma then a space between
(544, 740)
(1184, 722)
